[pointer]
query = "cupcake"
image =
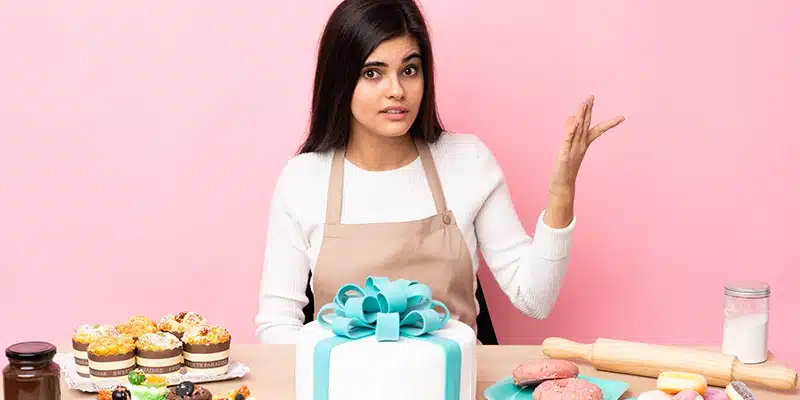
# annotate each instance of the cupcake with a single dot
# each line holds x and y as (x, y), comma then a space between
(159, 353)
(177, 324)
(81, 338)
(188, 391)
(111, 357)
(206, 349)
(137, 326)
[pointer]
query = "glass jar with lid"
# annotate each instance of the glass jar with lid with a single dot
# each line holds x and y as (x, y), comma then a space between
(31, 373)
(746, 321)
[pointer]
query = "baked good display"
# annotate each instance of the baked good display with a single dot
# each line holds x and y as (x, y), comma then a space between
(137, 326)
(715, 394)
(206, 349)
(111, 357)
(419, 352)
(177, 324)
(159, 353)
(82, 336)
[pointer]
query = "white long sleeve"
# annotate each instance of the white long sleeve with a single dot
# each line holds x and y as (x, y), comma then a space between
(529, 269)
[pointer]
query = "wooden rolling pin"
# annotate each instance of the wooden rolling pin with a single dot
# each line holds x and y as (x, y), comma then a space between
(635, 358)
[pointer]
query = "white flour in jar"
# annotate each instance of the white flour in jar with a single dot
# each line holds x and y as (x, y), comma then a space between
(746, 338)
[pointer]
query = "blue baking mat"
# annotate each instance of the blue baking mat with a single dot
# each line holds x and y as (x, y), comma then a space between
(505, 389)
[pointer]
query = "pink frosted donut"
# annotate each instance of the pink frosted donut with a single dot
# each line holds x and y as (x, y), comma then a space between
(567, 389)
(546, 369)
(687, 395)
(715, 394)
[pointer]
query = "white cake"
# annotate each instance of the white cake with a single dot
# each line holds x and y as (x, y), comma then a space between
(409, 368)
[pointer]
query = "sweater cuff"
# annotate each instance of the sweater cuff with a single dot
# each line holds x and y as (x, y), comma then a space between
(553, 243)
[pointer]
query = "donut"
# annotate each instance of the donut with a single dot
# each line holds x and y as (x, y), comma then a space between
(536, 371)
(687, 395)
(715, 394)
(737, 390)
(654, 395)
(567, 389)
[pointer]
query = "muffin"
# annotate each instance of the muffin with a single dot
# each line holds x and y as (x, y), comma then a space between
(188, 391)
(177, 324)
(206, 349)
(137, 326)
(159, 353)
(111, 357)
(82, 336)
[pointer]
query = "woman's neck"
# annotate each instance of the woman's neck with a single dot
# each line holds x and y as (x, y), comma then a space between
(380, 153)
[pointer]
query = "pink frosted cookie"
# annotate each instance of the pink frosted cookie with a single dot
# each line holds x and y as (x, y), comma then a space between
(570, 388)
(533, 372)
(654, 395)
(715, 394)
(687, 395)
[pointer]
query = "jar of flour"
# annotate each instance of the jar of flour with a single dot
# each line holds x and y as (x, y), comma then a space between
(746, 317)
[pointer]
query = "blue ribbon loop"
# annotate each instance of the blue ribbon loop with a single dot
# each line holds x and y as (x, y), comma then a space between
(384, 308)
(388, 310)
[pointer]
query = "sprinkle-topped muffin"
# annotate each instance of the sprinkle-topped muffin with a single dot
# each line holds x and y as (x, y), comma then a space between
(159, 353)
(137, 326)
(111, 356)
(82, 336)
(206, 349)
(177, 324)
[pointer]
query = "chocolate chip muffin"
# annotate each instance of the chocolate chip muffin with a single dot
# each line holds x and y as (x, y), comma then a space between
(188, 391)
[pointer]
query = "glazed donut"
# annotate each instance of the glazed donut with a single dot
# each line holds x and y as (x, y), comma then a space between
(570, 388)
(533, 372)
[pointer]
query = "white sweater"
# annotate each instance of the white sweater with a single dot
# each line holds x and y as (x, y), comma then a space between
(529, 269)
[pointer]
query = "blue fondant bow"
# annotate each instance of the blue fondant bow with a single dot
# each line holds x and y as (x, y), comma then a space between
(384, 308)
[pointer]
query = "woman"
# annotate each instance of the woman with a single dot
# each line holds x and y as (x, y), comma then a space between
(380, 189)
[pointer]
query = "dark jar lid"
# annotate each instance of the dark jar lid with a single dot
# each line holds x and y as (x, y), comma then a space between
(31, 351)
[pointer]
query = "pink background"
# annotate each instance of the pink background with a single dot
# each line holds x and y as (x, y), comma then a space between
(140, 144)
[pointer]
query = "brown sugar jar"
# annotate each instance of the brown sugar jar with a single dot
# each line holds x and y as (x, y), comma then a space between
(31, 373)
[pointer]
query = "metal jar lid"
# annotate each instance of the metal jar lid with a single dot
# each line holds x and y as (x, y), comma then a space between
(747, 289)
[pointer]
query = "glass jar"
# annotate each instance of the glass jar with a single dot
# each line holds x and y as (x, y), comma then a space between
(744, 333)
(31, 373)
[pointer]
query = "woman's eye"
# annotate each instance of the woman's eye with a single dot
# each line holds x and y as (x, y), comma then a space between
(412, 70)
(370, 74)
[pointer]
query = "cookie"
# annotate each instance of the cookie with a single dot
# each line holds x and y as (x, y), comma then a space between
(533, 372)
(570, 388)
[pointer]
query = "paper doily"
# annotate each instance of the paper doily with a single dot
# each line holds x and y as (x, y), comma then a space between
(75, 381)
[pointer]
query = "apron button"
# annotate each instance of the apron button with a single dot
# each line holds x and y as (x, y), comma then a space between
(446, 219)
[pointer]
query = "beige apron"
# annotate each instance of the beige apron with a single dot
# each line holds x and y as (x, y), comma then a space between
(431, 251)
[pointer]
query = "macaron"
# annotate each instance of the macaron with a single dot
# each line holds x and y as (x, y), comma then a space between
(737, 390)
(537, 371)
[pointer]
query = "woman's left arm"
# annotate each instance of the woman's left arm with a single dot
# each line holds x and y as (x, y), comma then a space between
(530, 269)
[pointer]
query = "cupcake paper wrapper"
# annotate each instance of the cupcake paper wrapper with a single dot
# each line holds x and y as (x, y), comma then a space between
(84, 384)
(160, 362)
(112, 366)
(206, 358)
(81, 358)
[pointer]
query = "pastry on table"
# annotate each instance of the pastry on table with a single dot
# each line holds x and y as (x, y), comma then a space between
(111, 357)
(569, 388)
(147, 387)
(206, 349)
(177, 324)
(137, 326)
(242, 393)
(188, 391)
(738, 390)
(82, 336)
(534, 372)
(674, 382)
(654, 395)
(159, 353)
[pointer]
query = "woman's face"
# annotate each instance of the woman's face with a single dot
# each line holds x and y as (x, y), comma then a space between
(388, 93)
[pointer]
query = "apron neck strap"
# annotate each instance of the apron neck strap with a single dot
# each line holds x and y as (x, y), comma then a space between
(336, 183)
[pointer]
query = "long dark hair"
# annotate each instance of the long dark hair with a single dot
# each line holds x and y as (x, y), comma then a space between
(354, 30)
